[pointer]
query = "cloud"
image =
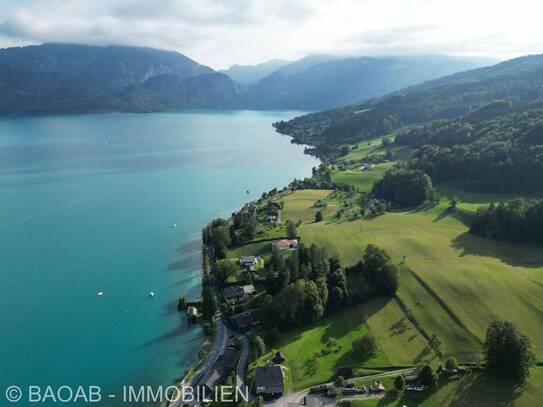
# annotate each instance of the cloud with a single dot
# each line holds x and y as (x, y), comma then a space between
(224, 32)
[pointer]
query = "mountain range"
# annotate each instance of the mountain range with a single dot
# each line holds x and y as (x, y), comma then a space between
(68, 78)
(477, 94)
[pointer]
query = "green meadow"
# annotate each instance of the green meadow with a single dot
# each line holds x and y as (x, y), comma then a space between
(309, 358)
(454, 285)
(459, 282)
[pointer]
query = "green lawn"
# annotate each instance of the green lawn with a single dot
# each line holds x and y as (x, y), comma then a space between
(300, 206)
(363, 180)
(470, 390)
(398, 338)
(459, 282)
(471, 201)
(302, 347)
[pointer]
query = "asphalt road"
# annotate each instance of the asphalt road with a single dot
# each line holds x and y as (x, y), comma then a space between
(242, 365)
(220, 342)
(297, 398)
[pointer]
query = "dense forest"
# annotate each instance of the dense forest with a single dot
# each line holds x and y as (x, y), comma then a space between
(519, 80)
(499, 154)
(402, 187)
(519, 221)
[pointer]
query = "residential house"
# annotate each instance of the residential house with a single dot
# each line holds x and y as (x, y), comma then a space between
(273, 219)
(308, 401)
(249, 262)
(245, 320)
(249, 210)
(220, 370)
(285, 244)
(237, 294)
(377, 387)
(269, 381)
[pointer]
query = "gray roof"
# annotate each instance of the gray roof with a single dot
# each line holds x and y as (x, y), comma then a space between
(269, 379)
(248, 259)
(221, 369)
(233, 292)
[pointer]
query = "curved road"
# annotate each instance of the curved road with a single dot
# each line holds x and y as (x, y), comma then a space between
(242, 365)
(220, 342)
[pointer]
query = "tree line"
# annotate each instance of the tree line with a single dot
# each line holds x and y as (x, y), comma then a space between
(304, 284)
(518, 221)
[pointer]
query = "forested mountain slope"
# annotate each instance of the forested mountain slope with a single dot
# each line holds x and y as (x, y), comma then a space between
(518, 81)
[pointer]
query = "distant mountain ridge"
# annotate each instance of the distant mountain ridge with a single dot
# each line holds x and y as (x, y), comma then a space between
(67, 78)
(334, 82)
(518, 82)
(249, 74)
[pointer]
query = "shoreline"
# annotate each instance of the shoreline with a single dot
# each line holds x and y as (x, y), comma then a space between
(193, 368)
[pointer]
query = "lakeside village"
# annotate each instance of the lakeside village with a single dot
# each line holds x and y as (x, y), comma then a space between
(265, 281)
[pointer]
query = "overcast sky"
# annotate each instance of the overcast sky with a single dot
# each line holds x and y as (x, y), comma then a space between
(222, 33)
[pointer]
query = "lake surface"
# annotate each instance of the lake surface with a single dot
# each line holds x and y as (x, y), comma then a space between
(87, 204)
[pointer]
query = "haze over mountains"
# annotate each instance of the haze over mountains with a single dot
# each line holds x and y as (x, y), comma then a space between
(67, 78)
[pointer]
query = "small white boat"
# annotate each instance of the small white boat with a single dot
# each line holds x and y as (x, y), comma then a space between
(99, 293)
(174, 225)
(151, 294)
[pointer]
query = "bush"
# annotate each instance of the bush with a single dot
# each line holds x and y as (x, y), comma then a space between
(260, 346)
(451, 363)
(318, 216)
(427, 376)
(365, 346)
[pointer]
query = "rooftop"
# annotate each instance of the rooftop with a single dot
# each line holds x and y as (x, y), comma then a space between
(268, 379)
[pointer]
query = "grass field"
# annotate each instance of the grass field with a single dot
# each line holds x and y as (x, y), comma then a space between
(459, 282)
(301, 206)
(363, 180)
(301, 348)
(471, 201)
(398, 338)
(471, 390)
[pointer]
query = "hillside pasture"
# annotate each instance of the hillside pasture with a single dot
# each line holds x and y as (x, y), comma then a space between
(459, 282)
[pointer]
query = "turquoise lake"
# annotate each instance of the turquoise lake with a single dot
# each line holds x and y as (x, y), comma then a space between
(87, 204)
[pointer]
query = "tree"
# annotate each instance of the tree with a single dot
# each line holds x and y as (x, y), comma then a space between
(507, 352)
(427, 377)
(403, 187)
(451, 363)
(388, 280)
(233, 236)
(436, 343)
(225, 269)
(208, 302)
(272, 336)
(399, 383)
(250, 230)
(182, 304)
(365, 345)
(318, 216)
(454, 202)
(340, 381)
(260, 346)
(292, 232)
